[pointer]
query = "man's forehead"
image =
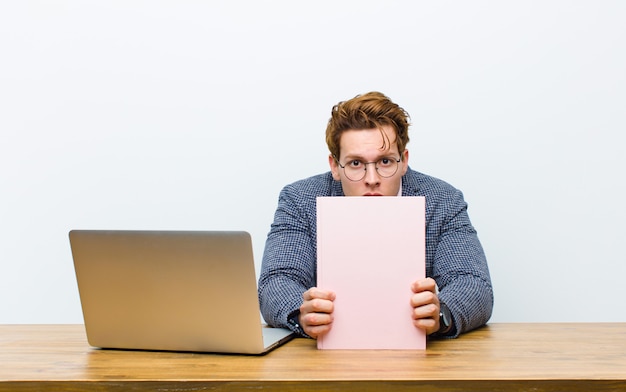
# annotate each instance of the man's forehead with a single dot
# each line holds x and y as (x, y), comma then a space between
(369, 142)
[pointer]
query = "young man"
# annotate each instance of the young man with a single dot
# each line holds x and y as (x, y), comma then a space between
(367, 138)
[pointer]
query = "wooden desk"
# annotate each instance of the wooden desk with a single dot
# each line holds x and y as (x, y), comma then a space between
(538, 357)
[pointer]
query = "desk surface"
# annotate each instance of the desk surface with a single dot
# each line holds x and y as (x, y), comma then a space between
(545, 357)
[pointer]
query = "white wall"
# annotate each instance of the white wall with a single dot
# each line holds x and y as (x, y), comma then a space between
(193, 114)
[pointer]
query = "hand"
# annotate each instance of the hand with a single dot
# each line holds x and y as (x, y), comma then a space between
(316, 311)
(425, 304)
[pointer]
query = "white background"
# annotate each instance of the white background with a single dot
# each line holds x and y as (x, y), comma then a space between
(192, 115)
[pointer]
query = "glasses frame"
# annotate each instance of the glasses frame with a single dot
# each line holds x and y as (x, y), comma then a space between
(368, 163)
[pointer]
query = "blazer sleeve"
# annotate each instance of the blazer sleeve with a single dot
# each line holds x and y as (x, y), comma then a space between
(289, 260)
(459, 265)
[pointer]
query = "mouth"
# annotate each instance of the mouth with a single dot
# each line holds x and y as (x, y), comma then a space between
(372, 194)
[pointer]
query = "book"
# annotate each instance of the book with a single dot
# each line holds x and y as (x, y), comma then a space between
(369, 252)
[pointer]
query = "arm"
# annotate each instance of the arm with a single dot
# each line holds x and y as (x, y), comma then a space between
(289, 260)
(459, 265)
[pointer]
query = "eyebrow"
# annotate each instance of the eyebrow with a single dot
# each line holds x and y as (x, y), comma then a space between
(379, 157)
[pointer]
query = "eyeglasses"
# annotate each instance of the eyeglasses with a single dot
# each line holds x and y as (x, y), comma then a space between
(355, 169)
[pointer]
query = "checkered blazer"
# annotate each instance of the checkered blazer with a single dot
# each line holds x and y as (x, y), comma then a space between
(454, 255)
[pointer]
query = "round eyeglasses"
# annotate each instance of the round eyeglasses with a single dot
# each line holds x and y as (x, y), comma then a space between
(355, 169)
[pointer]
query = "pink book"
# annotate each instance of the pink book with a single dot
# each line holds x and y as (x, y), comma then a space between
(369, 251)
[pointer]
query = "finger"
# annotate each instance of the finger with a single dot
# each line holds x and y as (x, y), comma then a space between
(429, 325)
(426, 318)
(316, 319)
(430, 311)
(427, 284)
(315, 292)
(317, 331)
(317, 306)
(316, 324)
(424, 298)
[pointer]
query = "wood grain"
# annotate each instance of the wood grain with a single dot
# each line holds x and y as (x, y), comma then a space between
(541, 357)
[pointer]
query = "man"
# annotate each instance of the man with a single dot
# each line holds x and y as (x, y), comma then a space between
(367, 138)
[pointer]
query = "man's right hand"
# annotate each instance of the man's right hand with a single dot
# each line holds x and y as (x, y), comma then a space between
(316, 311)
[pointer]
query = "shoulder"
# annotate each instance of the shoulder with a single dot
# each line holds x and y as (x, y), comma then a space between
(312, 187)
(443, 201)
(297, 201)
(415, 183)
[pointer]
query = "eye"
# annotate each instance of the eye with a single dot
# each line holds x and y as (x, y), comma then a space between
(384, 162)
(355, 164)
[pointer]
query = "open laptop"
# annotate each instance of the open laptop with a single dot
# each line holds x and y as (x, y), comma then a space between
(171, 290)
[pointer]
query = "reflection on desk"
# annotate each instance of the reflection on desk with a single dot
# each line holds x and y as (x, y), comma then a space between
(542, 357)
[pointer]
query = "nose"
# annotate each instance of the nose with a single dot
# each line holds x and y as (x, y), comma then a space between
(371, 174)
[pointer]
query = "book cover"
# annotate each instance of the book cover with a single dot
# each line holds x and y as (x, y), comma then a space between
(369, 251)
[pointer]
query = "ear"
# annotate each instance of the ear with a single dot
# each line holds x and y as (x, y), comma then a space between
(334, 167)
(405, 161)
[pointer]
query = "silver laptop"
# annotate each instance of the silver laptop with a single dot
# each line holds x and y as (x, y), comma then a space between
(172, 291)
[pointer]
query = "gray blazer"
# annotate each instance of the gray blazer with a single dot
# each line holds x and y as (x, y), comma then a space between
(454, 255)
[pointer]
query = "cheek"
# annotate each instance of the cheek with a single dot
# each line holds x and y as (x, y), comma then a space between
(350, 188)
(392, 188)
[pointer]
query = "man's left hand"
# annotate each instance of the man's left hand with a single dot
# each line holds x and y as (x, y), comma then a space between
(425, 304)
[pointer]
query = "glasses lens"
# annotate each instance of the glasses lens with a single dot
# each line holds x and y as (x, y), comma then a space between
(385, 167)
(354, 170)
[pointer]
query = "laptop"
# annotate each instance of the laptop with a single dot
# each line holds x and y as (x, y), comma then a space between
(171, 291)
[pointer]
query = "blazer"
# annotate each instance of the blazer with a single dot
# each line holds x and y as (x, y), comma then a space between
(454, 256)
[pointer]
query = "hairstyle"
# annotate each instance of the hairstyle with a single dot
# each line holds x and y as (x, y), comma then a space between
(367, 111)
